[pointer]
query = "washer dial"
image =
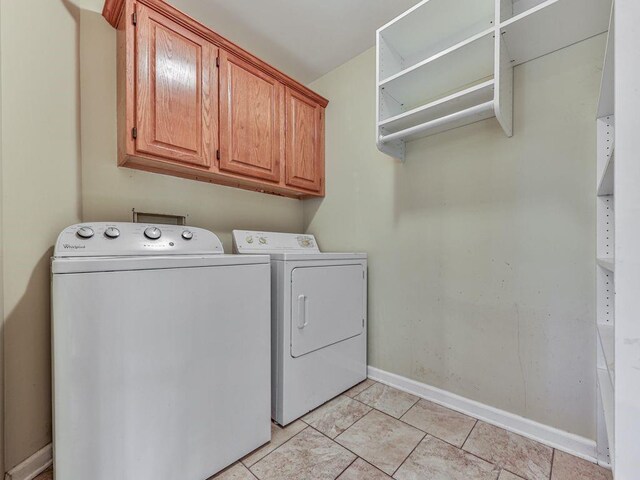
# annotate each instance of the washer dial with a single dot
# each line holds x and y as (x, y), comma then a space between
(112, 232)
(85, 232)
(187, 234)
(152, 233)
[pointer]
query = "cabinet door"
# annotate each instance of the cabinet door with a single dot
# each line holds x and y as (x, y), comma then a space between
(251, 120)
(176, 91)
(304, 166)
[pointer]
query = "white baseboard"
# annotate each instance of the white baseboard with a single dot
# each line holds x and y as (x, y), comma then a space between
(553, 437)
(32, 466)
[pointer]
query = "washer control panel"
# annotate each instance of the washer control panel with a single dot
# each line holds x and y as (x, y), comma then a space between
(122, 239)
(246, 241)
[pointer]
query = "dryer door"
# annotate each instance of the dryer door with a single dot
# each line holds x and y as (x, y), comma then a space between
(327, 306)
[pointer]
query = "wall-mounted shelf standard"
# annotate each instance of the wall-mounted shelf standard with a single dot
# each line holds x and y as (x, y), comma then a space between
(444, 64)
(605, 247)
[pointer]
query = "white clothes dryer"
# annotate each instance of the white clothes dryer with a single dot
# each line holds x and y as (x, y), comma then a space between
(318, 320)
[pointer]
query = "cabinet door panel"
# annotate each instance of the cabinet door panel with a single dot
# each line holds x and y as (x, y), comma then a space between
(175, 90)
(252, 126)
(304, 166)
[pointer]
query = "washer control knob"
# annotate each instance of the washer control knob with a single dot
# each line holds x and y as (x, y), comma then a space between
(112, 232)
(249, 239)
(262, 240)
(85, 232)
(153, 233)
(187, 234)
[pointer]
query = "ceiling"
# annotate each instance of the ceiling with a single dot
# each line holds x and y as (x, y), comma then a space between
(303, 38)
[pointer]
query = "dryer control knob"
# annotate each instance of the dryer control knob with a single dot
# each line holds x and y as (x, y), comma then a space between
(153, 233)
(187, 234)
(85, 232)
(112, 232)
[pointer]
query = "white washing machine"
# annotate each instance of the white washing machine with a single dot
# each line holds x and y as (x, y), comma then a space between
(161, 353)
(318, 320)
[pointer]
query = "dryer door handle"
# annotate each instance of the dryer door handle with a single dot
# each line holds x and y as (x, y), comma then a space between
(303, 320)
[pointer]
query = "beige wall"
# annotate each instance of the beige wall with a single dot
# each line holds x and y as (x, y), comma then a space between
(109, 193)
(40, 196)
(481, 246)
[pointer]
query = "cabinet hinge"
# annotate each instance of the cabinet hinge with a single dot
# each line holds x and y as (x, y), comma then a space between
(218, 62)
(217, 154)
(134, 132)
(134, 18)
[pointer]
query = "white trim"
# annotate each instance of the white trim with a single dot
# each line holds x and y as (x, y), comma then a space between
(32, 466)
(553, 437)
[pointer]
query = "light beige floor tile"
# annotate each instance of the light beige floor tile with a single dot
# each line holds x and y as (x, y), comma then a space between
(361, 470)
(336, 416)
(568, 467)
(441, 422)
(279, 435)
(235, 472)
(361, 387)
(504, 475)
(387, 399)
(437, 460)
(381, 440)
(531, 460)
(309, 455)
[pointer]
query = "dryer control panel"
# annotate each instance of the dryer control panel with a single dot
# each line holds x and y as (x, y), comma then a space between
(123, 239)
(247, 241)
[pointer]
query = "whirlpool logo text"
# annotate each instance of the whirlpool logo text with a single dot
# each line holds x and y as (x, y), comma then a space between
(73, 247)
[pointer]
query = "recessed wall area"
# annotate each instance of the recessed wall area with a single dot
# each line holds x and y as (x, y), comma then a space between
(481, 247)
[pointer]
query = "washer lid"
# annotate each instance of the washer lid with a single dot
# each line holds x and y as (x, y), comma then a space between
(135, 239)
(62, 265)
(246, 241)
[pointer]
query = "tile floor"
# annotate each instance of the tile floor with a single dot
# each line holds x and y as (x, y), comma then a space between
(375, 432)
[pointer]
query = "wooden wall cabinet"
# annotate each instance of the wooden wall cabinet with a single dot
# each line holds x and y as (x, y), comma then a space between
(194, 105)
(252, 127)
(304, 160)
(176, 86)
